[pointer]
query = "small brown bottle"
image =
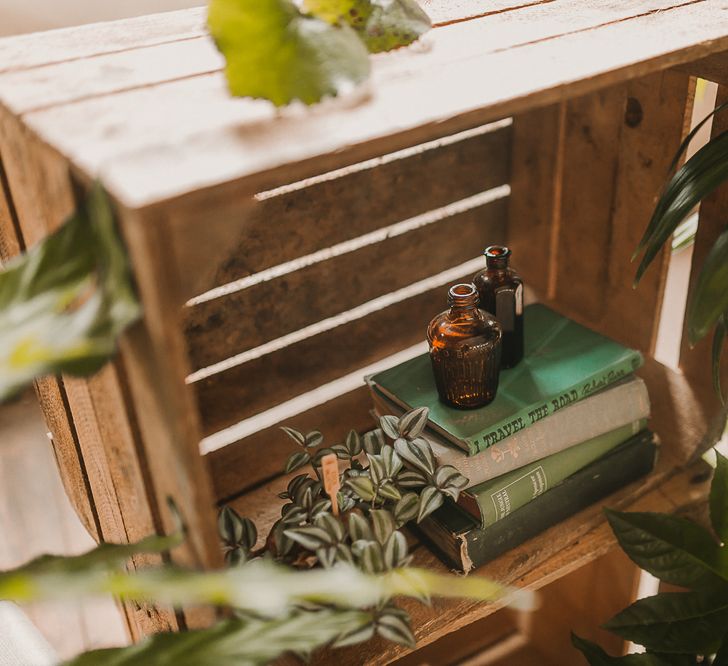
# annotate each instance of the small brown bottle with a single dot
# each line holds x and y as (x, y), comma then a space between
(465, 347)
(501, 293)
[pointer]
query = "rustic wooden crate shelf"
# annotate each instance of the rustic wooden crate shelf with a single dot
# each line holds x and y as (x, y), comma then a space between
(278, 255)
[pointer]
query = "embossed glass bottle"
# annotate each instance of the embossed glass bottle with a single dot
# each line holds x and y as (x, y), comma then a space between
(465, 347)
(501, 293)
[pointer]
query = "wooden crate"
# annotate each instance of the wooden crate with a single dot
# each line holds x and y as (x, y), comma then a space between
(279, 255)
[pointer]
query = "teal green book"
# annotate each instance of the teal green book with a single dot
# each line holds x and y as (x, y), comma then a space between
(563, 363)
(493, 500)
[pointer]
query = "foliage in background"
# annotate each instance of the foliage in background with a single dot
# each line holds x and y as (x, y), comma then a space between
(64, 303)
(276, 51)
(675, 628)
(691, 183)
(400, 482)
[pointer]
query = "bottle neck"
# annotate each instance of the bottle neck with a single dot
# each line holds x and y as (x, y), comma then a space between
(497, 257)
(463, 300)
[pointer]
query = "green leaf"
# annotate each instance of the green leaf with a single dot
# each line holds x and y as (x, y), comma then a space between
(416, 452)
(374, 441)
(411, 479)
(383, 25)
(709, 298)
(236, 531)
(681, 622)
(362, 486)
(382, 524)
(406, 509)
(274, 52)
(596, 656)
(697, 178)
(391, 461)
(389, 426)
(310, 537)
(370, 556)
(376, 469)
(719, 498)
(395, 550)
(412, 423)
(671, 548)
(65, 302)
(353, 443)
(447, 475)
(332, 525)
(297, 460)
(431, 499)
(235, 641)
(389, 491)
(359, 528)
(313, 439)
(359, 636)
(719, 337)
(395, 628)
(295, 435)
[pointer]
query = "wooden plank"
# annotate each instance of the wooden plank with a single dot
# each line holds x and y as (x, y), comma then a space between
(608, 188)
(537, 158)
(452, 11)
(696, 362)
(246, 319)
(198, 123)
(34, 50)
(241, 466)
(352, 202)
(712, 68)
(10, 243)
(254, 386)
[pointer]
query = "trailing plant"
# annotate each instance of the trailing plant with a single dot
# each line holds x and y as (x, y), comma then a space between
(388, 477)
(281, 52)
(701, 175)
(675, 628)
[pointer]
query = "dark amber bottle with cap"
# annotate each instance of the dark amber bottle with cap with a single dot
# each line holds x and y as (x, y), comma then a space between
(501, 293)
(465, 347)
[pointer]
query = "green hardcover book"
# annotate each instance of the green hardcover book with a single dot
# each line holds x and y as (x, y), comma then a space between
(462, 544)
(495, 499)
(563, 363)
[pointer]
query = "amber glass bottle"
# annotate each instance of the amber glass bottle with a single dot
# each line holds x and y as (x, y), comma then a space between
(501, 293)
(465, 347)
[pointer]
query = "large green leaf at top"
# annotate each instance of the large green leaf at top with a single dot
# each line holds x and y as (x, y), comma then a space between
(673, 549)
(383, 25)
(64, 303)
(676, 622)
(235, 642)
(709, 299)
(274, 52)
(719, 498)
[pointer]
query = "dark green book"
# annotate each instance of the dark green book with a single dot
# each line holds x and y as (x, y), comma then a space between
(497, 498)
(563, 363)
(461, 543)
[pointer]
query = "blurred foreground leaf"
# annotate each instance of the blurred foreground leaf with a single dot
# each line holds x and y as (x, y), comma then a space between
(65, 302)
(274, 52)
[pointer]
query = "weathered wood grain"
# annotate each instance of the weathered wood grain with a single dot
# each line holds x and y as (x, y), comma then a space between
(712, 68)
(197, 122)
(272, 309)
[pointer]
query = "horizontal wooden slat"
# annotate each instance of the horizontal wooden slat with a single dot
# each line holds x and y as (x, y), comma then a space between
(248, 389)
(37, 49)
(354, 202)
(674, 486)
(442, 12)
(245, 464)
(209, 138)
(249, 318)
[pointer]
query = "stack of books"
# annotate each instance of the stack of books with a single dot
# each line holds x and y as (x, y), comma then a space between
(567, 428)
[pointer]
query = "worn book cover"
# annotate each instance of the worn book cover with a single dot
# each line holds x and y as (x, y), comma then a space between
(612, 407)
(564, 362)
(462, 544)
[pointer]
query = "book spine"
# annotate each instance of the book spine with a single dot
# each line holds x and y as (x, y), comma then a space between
(532, 414)
(609, 409)
(472, 548)
(493, 500)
